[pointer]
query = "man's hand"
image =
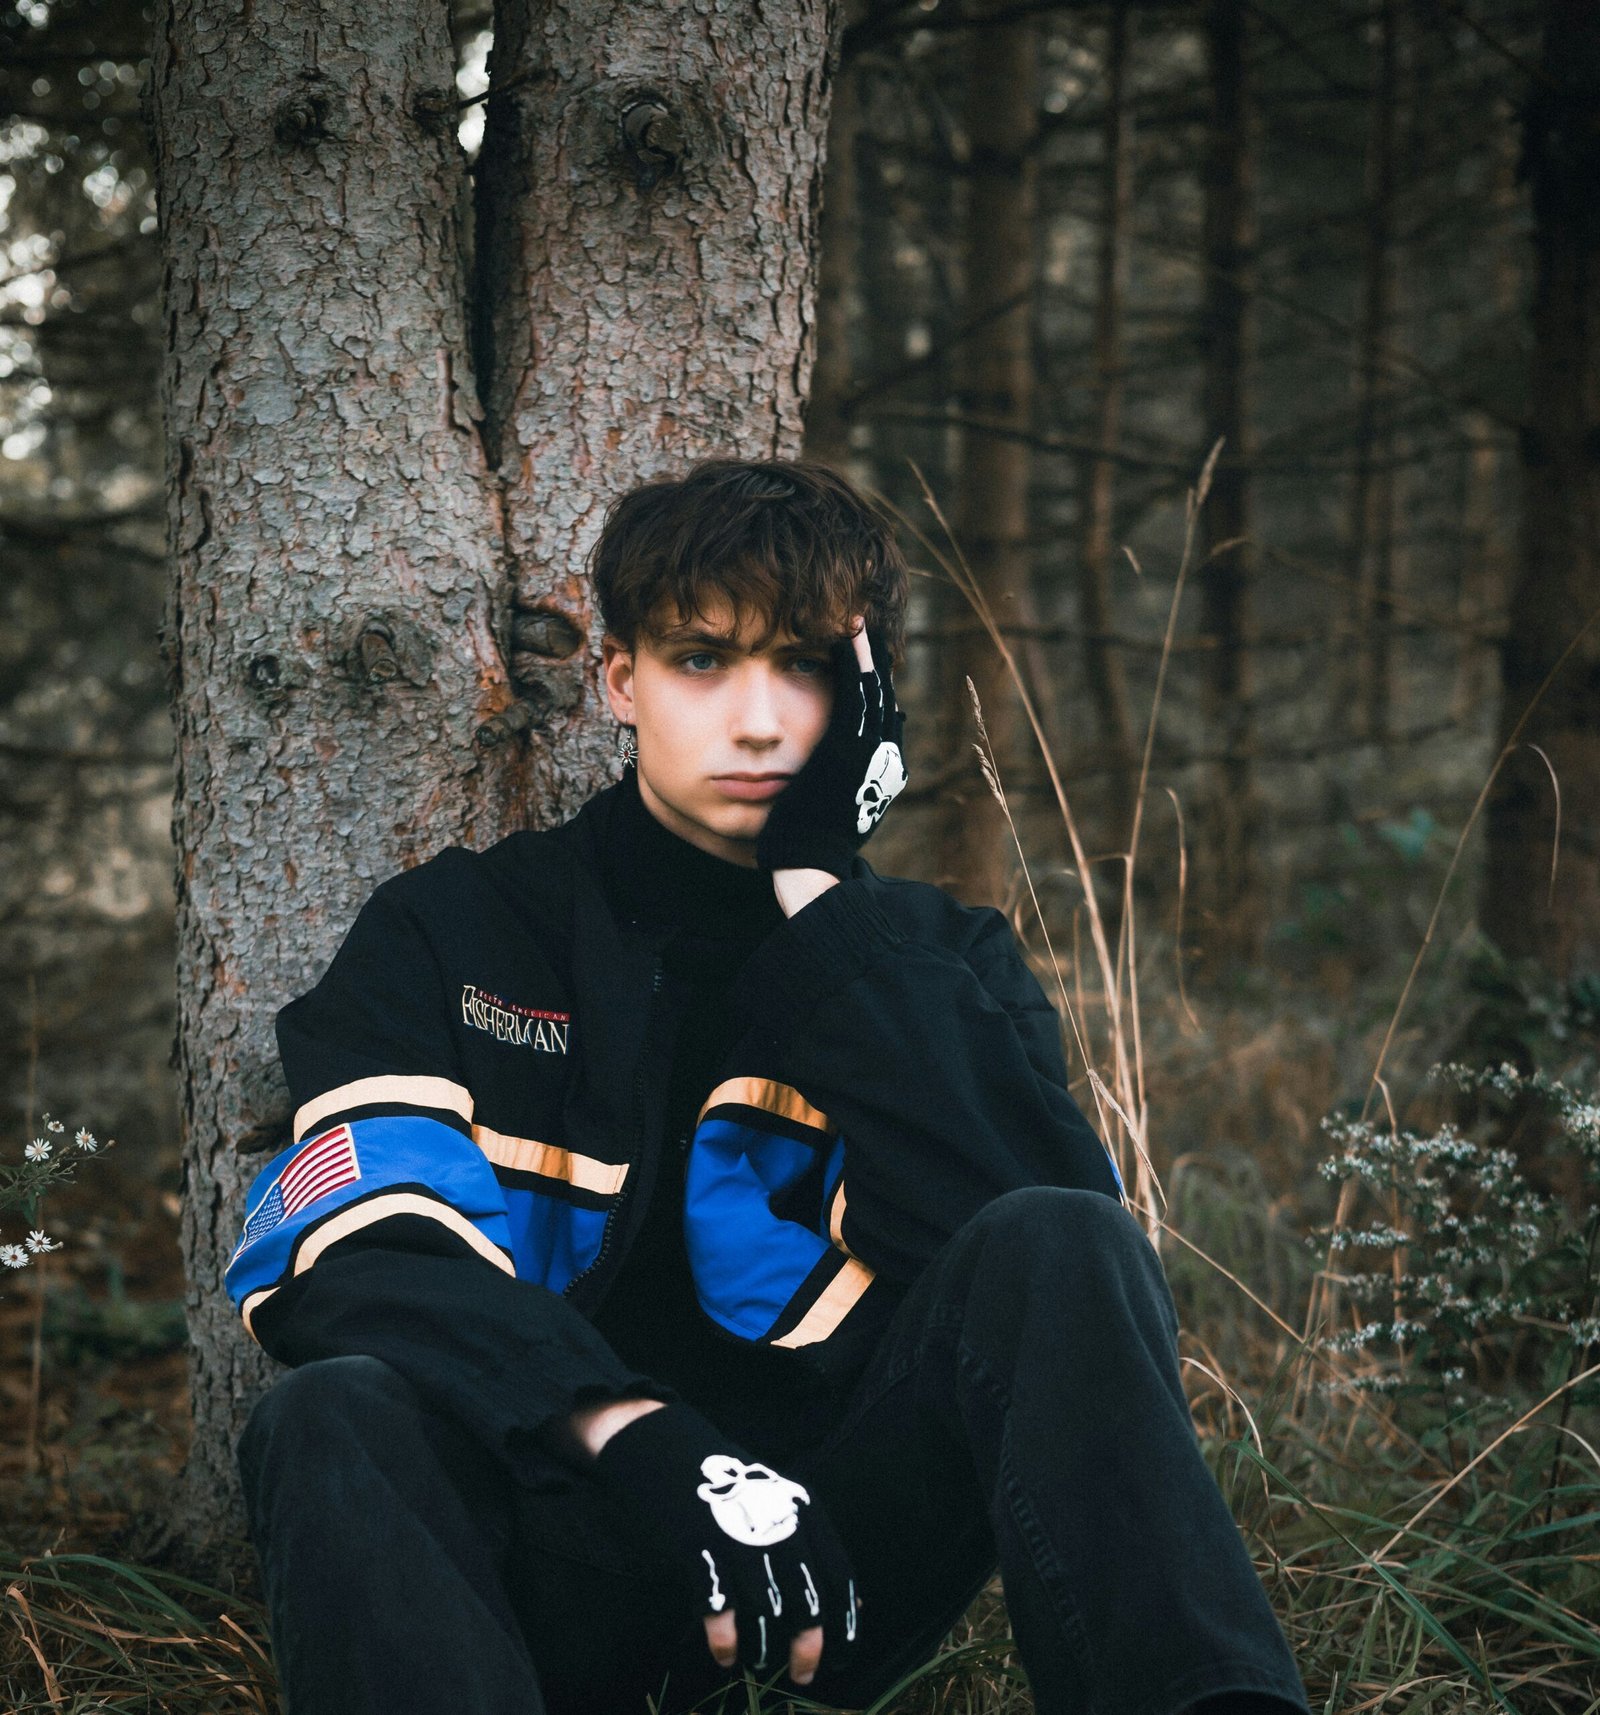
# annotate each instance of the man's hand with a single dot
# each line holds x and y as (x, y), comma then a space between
(826, 813)
(748, 1547)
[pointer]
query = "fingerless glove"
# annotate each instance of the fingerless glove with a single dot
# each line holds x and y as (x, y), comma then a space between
(825, 814)
(731, 1534)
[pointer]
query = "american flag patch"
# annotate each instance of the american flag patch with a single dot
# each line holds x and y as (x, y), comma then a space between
(325, 1164)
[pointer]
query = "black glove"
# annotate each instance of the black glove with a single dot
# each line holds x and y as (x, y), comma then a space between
(732, 1534)
(824, 815)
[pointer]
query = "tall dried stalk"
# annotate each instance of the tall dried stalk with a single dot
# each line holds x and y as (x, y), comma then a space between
(1120, 1101)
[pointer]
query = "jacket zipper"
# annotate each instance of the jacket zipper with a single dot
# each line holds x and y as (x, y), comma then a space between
(626, 1204)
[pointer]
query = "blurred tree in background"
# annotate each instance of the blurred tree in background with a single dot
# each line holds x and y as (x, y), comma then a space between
(85, 739)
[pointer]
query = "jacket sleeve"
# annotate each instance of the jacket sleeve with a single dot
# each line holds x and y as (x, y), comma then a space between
(381, 1230)
(939, 1065)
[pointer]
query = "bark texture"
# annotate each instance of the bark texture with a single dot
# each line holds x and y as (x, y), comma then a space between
(1558, 585)
(647, 244)
(379, 635)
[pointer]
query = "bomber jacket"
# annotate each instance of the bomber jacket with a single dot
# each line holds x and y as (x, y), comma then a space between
(479, 1083)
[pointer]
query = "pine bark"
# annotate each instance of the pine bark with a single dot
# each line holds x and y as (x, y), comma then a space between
(1557, 589)
(380, 636)
(633, 320)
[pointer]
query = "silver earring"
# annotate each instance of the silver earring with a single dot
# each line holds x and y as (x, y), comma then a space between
(630, 748)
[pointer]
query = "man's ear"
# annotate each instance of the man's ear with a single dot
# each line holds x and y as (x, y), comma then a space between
(616, 668)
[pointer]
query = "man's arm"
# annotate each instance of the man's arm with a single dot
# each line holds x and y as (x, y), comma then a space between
(592, 1426)
(935, 1057)
(796, 888)
(382, 1230)
(940, 1065)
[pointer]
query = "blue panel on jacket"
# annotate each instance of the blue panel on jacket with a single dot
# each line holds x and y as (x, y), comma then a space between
(304, 1184)
(747, 1262)
(551, 1241)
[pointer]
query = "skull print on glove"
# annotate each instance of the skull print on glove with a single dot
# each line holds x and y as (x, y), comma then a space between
(731, 1534)
(886, 777)
(752, 1503)
(823, 816)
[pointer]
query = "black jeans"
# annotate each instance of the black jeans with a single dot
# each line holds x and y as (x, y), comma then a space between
(1024, 1408)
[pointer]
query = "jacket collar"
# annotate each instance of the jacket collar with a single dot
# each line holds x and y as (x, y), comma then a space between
(653, 878)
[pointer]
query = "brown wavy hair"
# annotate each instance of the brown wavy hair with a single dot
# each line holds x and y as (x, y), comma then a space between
(789, 539)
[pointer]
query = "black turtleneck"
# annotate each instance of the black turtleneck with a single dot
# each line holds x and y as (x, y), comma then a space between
(709, 916)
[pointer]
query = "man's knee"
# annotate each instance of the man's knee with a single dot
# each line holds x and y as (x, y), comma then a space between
(1068, 1241)
(313, 1410)
(1058, 1222)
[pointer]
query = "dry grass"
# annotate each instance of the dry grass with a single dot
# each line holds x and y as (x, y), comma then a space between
(79, 1632)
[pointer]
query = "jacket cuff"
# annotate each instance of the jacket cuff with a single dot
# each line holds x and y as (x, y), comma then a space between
(824, 946)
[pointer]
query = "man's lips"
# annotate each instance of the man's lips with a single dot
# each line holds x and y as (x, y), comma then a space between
(751, 788)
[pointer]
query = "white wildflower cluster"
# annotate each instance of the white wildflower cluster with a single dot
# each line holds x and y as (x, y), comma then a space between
(46, 1161)
(1578, 1116)
(1356, 1238)
(1380, 1382)
(1463, 1252)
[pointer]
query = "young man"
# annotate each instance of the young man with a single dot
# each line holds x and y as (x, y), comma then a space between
(689, 1254)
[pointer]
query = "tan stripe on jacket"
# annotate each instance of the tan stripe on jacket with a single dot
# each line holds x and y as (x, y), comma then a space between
(769, 1097)
(525, 1155)
(836, 1218)
(835, 1302)
(400, 1091)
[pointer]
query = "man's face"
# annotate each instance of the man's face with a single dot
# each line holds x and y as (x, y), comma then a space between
(722, 725)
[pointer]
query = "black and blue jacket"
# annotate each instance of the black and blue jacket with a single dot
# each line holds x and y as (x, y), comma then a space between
(479, 1086)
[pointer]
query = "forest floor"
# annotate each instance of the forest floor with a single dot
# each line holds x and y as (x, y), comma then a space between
(1488, 1603)
(94, 1416)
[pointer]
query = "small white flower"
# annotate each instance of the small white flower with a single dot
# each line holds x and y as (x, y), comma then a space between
(38, 1241)
(13, 1256)
(85, 1139)
(53, 1125)
(38, 1150)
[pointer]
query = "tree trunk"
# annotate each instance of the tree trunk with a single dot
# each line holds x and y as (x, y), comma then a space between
(1227, 866)
(379, 638)
(648, 203)
(1102, 660)
(1486, 546)
(1365, 693)
(827, 425)
(1558, 585)
(995, 385)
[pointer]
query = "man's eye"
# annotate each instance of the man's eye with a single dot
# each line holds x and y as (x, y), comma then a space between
(702, 661)
(810, 664)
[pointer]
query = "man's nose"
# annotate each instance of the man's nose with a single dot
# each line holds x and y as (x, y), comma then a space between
(756, 717)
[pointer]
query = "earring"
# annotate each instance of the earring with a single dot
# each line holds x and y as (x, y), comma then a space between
(630, 748)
